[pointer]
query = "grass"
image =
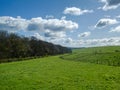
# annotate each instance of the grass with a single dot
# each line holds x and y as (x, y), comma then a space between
(99, 55)
(54, 73)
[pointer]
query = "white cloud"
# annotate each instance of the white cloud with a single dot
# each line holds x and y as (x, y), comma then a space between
(76, 11)
(55, 34)
(51, 30)
(68, 40)
(116, 29)
(40, 24)
(95, 42)
(11, 23)
(54, 24)
(110, 4)
(38, 36)
(85, 34)
(63, 17)
(59, 41)
(103, 42)
(105, 22)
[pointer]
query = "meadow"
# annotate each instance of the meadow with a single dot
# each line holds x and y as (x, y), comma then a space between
(109, 55)
(79, 70)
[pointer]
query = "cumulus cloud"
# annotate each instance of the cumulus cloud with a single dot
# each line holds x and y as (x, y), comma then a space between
(103, 42)
(11, 23)
(68, 40)
(85, 34)
(110, 4)
(95, 42)
(55, 34)
(51, 29)
(105, 22)
(34, 26)
(52, 24)
(38, 36)
(76, 11)
(116, 29)
(63, 17)
(59, 41)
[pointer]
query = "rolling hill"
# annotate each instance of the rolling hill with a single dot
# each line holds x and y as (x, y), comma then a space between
(64, 72)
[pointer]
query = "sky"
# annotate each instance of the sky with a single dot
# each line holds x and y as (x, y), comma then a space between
(71, 23)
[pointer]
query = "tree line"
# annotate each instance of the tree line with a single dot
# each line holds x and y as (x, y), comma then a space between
(15, 46)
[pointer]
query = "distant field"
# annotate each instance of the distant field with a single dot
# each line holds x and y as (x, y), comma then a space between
(100, 55)
(65, 72)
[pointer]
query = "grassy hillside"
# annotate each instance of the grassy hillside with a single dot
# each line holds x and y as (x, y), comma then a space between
(99, 55)
(54, 73)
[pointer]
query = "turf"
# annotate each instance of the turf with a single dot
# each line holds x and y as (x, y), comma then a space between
(55, 73)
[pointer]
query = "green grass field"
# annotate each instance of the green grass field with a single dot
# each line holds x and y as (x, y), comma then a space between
(100, 55)
(69, 73)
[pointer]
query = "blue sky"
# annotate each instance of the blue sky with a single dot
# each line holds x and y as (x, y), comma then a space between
(72, 23)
